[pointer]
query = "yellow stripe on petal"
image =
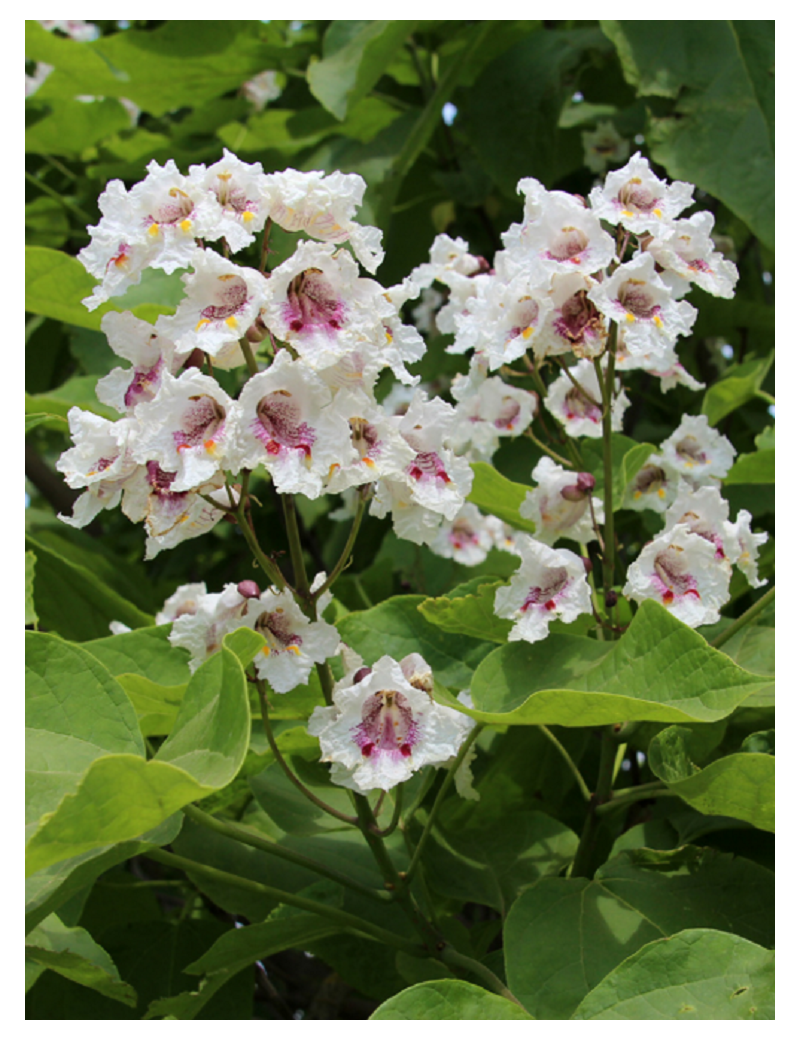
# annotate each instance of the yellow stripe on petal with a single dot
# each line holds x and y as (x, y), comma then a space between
(247, 216)
(231, 322)
(201, 324)
(265, 650)
(294, 650)
(153, 230)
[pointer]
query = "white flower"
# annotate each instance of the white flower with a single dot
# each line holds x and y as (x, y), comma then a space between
(184, 600)
(636, 298)
(698, 451)
(634, 197)
(744, 546)
(661, 361)
(486, 410)
(384, 727)
(201, 630)
(559, 506)
(681, 571)
(550, 584)
(292, 643)
(100, 461)
(574, 323)
(579, 408)
(655, 486)
(185, 428)
(559, 233)
(453, 265)
(468, 538)
(705, 512)
(281, 421)
(686, 253)
(323, 207)
(376, 449)
(149, 353)
(222, 301)
(233, 204)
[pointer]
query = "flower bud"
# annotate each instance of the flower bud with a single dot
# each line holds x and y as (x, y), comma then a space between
(587, 563)
(257, 331)
(583, 486)
(362, 673)
(611, 599)
(248, 589)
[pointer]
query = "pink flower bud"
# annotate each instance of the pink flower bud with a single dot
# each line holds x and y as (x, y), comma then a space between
(248, 589)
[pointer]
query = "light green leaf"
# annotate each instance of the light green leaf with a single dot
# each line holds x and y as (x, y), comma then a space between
(756, 468)
(120, 796)
(470, 615)
(721, 135)
(68, 126)
(397, 628)
(696, 974)
(564, 935)
(77, 392)
(73, 953)
(31, 618)
(73, 601)
(354, 57)
(627, 458)
(497, 496)
(447, 999)
(740, 385)
(661, 670)
(740, 785)
(146, 652)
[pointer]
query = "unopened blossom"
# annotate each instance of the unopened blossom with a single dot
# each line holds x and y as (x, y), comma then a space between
(634, 197)
(184, 600)
(100, 461)
(376, 447)
(281, 421)
(579, 408)
(637, 299)
(293, 644)
(385, 726)
(574, 324)
(150, 354)
(233, 204)
(468, 538)
(687, 255)
(323, 207)
(185, 428)
(655, 486)
(559, 233)
(152, 225)
(214, 615)
(699, 452)
(550, 584)
(681, 571)
(171, 517)
(222, 301)
(559, 505)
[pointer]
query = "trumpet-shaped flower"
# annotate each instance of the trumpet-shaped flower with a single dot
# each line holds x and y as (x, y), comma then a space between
(377, 448)
(233, 203)
(681, 570)
(185, 599)
(655, 486)
(550, 584)
(385, 726)
(698, 451)
(487, 410)
(201, 630)
(150, 354)
(184, 428)
(577, 402)
(559, 506)
(634, 197)
(468, 538)
(574, 325)
(686, 253)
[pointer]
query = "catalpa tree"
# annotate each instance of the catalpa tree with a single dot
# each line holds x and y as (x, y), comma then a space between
(399, 579)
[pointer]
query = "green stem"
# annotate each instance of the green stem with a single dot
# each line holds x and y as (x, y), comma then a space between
(344, 559)
(582, 785)
(745, 619)
(607, 385)
(584, 393)
(262, 699)
(451, 772)
(62, 199)
(395, 820)
(583, 864)
(627, 795)
(249, 356)
(249, 837)
(764, 396)
(296, 554)
(271, 569)
(549, 451)
(347, 921)
(452, 957)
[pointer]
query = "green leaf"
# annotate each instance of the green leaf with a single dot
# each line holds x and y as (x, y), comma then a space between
(721, 134)
(696, 974)
(740, 385)
(71, 126)
(564, 935)
(34, 419)
(740, 785)
(755, 468)
(77, 392)
(534, 78)
(75, 713)
(471, 615)
(447, 999)
(627, 458)
(75, 602)
(31, 617)
(146, 652)
(73, 953)
(355, 56)
(397, 628)
(120, 796)
(661, 670)
(497, 496)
